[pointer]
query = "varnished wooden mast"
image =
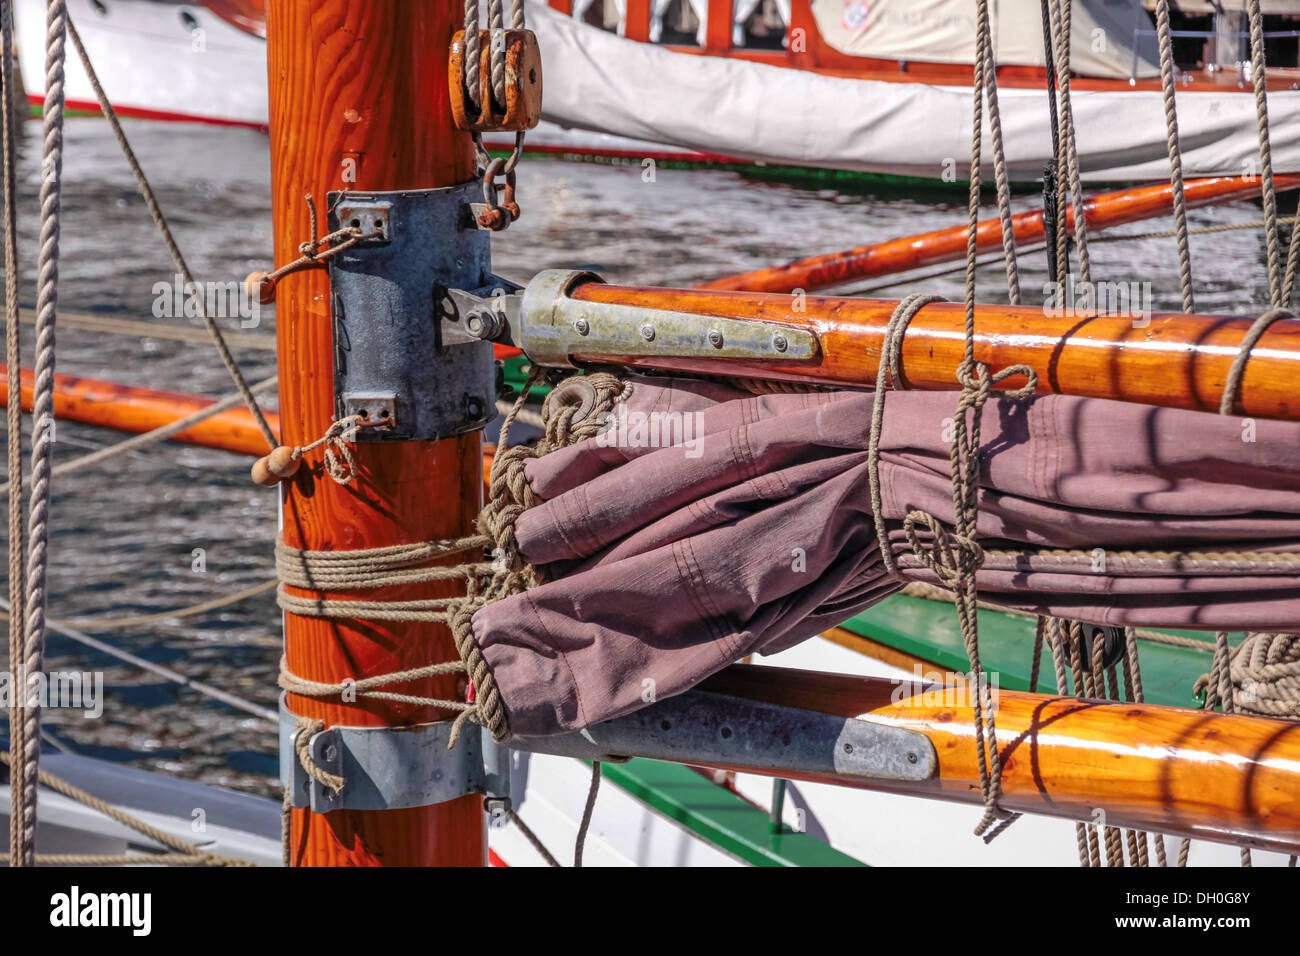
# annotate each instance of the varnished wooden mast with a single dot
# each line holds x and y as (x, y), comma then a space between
(359, 101)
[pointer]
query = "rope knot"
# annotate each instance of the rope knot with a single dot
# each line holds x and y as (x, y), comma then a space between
(949, 555)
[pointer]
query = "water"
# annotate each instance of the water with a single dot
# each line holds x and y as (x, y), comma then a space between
(125, 534)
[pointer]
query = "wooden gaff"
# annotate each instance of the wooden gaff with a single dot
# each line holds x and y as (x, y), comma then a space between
(1169, 360)
(949, 245)
(1227, 778)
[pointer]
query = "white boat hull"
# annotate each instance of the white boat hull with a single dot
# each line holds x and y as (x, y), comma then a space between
(611, 97)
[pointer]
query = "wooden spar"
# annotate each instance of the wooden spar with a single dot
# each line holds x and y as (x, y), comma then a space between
(359, 101)
(1227, 778)
(130, 409)
(1172, 360)
(949, 245)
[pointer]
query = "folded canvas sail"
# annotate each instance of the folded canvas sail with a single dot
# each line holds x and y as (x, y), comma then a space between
(706, 524)
(597, 81)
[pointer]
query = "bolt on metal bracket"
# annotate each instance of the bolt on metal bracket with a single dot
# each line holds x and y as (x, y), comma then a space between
(392, 768)
(551, 327)
(395, 349)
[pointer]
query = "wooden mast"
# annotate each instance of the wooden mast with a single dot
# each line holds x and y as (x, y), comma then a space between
(359, 101)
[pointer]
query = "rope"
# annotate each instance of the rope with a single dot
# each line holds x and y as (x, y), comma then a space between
(153, 330)
(989, 87)
(931, 592)
(888, 371)
(317, 249)
(532, 838)
(186, 853)
(955, 556)
(151, 201)
(497, 50)
(27, 712)
(509, 495)
(1198, 231)
(373, 567)
(303, 731)
(507, 574)
(1271, 240)
(1068, 156)
(473, 53)
(1166, 42)
(365, 687)
(1232, 384)
(118, 623)
(580, 844)
(13, 406)
(167, 673)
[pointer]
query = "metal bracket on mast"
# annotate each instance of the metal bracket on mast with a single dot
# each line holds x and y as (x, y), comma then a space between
(392, 768)
(398, 352)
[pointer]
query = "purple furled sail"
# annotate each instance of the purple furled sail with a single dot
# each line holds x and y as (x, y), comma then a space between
(707, 523)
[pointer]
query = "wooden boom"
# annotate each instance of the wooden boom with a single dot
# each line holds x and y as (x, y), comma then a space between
(1172, 360)
(1226, 778)
(949, 245)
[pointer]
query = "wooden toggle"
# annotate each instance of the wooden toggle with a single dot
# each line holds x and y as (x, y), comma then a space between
(280, 465)
(523, 106)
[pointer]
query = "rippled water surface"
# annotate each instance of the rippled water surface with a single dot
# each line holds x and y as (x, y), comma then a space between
(126, 532)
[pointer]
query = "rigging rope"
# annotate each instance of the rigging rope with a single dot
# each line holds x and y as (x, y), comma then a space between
(28, 712)
(154, 436)
(1166, 43)
(13, 406)
(1067, 161)
(183, 853)
(151, 201)
(1271, 239)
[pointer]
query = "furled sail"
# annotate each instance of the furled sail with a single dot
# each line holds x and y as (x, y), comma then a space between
(706, 523)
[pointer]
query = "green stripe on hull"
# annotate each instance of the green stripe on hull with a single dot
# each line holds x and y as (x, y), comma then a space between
(718, 816)
(929, 630)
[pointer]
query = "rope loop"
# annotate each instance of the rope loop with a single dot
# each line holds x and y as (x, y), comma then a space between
(950, 556)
